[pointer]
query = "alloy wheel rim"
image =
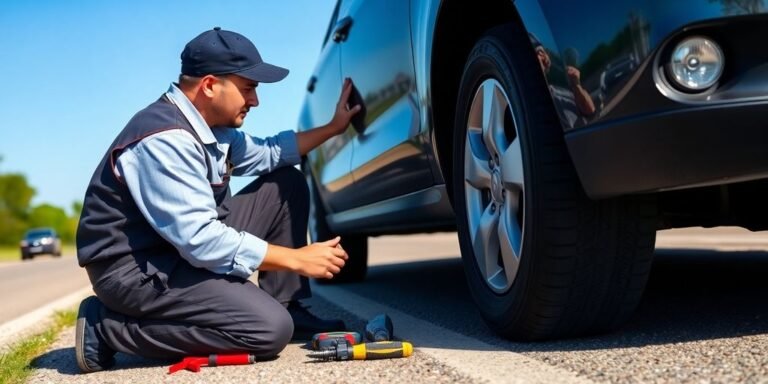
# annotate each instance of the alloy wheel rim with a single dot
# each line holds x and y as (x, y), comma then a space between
(494, 185)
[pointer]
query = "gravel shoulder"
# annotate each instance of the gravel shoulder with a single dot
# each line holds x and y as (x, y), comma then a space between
(292, 366)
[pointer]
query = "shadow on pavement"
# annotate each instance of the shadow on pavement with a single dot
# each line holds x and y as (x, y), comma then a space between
(691, 295)
(63, 361)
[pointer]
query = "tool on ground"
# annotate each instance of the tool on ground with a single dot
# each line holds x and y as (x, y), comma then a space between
(379, 328)
(366, 351)
(194, 363)
(330, 339)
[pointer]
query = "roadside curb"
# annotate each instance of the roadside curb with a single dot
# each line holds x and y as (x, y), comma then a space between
(25, 325)
(473, 358)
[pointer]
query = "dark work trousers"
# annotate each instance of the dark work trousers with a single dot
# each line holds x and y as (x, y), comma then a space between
(198, 312)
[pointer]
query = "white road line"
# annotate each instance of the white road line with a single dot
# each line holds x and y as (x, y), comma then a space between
(473, 358)
(13, 330)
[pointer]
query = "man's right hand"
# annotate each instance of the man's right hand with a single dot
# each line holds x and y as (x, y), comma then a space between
(320, 260)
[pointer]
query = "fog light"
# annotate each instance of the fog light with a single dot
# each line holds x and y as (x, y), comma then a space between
(696, 64)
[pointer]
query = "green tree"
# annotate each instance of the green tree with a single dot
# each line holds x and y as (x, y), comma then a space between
(46, 215)
(77, 208)
(16, 215)
(73, 221)
(11, 227)
(15, 194)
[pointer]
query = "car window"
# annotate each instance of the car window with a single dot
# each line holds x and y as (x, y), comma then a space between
(40, 233)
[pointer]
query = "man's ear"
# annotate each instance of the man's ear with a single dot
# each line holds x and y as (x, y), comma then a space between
(208, 84)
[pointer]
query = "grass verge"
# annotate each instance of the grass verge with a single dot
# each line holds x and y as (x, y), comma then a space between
(15, 365)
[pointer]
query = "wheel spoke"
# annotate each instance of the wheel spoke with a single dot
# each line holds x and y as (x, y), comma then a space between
(486, 242)
(510, 238)
(494, 105)
(494, 183)
(512, 167)
(476, 170)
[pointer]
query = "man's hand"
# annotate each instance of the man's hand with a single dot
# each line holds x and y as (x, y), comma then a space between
(582, 98)
(320, 260)
(309, 140)
(344, 111)
(574, 76)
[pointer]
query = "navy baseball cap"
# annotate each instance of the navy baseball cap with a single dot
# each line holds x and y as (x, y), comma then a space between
(220, 52)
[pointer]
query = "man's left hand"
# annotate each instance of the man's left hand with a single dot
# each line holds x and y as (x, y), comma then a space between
(344, 111)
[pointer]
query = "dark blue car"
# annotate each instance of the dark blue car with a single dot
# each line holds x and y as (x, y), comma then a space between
(40, 241)
(555, 137)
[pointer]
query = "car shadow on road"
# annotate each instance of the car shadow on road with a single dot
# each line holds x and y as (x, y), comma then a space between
(691, 295)
(63, 361)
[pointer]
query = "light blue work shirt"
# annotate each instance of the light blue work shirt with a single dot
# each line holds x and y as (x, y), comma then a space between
(166, 173)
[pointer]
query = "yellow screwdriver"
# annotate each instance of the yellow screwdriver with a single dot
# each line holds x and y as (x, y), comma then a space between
(343, 350)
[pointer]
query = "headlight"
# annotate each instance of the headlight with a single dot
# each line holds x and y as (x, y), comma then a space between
(46, 240)
(696, 64)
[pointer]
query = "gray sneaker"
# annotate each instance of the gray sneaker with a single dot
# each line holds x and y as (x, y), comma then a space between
(91, 352)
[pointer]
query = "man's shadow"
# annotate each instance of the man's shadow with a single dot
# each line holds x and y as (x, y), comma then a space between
(63, 361)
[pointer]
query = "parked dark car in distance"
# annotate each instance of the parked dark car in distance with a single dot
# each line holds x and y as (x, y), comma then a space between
(40, 241)
(555, 137)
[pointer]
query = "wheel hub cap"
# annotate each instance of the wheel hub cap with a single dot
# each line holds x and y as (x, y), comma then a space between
(497, 191)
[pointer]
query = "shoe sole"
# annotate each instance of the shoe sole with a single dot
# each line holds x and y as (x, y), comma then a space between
(80, 337)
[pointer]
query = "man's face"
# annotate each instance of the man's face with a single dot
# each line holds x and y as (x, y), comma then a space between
(233, 97)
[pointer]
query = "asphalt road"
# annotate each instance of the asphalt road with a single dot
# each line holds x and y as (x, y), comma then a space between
(26, 286)
(702, 320)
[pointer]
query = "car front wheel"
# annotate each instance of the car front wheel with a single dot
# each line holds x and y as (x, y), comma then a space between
(542, 261)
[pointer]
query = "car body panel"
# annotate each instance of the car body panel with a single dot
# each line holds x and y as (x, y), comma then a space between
(330, 162)
(636, 118)
(388, 147)
(423, 18)
(604, 33)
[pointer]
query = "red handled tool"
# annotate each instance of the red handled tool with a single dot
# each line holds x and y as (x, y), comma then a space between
(194, 363)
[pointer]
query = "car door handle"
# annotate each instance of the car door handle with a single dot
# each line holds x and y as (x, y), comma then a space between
(342, 29)
(311, 84)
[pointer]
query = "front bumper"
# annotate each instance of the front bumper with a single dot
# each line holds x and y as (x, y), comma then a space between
(695, 146)
(39, 249)
(651, 137)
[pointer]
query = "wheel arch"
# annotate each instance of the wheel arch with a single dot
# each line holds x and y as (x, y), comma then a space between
(449, 51)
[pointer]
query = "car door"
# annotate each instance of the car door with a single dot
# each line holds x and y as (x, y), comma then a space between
(388, 157)
(329, 163)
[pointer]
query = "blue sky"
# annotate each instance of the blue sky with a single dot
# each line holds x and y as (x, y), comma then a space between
(75, 72)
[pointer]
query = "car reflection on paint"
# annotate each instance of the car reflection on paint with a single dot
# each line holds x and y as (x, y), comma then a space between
(616, 73)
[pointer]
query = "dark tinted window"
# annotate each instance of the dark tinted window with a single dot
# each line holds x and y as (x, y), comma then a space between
(35, 233)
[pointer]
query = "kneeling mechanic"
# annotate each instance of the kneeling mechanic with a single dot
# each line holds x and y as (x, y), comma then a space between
(169, 250)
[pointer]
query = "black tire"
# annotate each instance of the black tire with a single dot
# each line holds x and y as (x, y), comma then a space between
(583, 264)
(356, 246)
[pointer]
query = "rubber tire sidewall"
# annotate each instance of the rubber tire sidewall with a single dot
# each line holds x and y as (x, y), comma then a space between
(489, 60)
